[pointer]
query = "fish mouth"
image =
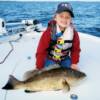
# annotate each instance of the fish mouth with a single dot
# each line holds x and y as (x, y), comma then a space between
(81, 80)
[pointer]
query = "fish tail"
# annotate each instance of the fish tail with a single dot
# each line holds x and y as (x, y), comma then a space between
(12, 83)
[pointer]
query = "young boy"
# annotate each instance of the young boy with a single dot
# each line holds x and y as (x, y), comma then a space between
(60, 43)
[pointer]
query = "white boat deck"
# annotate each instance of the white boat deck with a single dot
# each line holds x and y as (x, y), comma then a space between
(22, 59)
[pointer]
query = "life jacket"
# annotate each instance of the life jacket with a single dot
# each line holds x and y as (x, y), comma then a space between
(61, 42)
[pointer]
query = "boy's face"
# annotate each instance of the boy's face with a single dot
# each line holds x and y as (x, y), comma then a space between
(63, 19)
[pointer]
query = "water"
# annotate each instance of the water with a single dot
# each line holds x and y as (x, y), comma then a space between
(87, 14)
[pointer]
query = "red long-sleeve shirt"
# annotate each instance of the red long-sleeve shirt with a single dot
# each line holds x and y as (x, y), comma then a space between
(43, 45)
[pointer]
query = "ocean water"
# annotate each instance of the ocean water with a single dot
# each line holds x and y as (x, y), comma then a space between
(87, 14)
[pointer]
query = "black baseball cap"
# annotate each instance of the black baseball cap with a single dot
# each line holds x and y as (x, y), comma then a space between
(65, 6)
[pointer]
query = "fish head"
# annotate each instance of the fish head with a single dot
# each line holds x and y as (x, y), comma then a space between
(75, 77)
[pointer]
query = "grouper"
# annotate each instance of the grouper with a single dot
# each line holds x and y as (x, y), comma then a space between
(53, 79)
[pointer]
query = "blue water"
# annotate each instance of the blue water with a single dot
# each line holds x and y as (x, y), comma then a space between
(87, 14)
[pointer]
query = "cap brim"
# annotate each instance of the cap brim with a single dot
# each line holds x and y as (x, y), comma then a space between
(60, 11)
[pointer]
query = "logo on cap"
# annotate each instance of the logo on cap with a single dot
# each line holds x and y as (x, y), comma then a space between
(65, 5)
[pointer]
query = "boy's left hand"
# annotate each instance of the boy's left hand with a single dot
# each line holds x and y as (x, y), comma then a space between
(74, 66)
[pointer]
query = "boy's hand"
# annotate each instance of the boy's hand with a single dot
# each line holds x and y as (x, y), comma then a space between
(74, 66)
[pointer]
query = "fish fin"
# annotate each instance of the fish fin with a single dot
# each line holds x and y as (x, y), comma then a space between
(57, 89)
(29, 91)
(30, 74)
(50, 67)
(66, 86)
(11, 84)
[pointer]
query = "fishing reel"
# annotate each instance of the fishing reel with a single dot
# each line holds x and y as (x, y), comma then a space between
(34, 25)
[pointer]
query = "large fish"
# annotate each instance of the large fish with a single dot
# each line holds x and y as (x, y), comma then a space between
(47, 80)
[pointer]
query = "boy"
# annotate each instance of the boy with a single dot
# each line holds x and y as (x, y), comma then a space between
(60, 42)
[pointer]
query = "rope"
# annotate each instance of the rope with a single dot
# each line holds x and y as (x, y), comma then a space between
(5, 97)
(8, 53)
(12, 48)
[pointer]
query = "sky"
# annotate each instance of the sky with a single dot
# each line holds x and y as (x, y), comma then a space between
(50, 0)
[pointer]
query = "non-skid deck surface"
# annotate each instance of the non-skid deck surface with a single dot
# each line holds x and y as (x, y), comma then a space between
(22, 59)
